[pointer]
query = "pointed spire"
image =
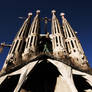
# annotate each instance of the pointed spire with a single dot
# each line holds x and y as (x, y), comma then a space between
(32, 39)
(62, 15)
(29, 14)
(38, 12)
(53, 12)
(73, 45)
(15, 52)
(21, 36)
(24, 28)
(58, 39)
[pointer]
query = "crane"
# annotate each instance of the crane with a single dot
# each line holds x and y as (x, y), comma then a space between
(2, 45)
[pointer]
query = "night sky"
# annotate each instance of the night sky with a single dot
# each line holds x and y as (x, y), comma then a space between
(78, 14)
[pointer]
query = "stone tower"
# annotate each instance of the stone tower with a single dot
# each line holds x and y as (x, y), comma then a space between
(15, 53)
(32, 39)
(46, 62)
(58, 40)
(73, 45)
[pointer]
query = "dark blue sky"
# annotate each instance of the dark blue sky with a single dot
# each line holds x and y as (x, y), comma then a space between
(78, 14)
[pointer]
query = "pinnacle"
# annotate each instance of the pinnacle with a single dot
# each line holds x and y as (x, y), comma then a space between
(29, 14)
(38, 11)
(53, 11)
(62, 14)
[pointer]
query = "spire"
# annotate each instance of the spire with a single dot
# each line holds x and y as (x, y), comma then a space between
(68, 31)
(24, 29)
(73, 45)
(14, 55)
(58, 38)
(32, 39)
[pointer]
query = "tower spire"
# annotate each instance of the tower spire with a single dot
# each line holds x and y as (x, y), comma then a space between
(58, 38)
(73, 45)
(32, 39)
(14, 55)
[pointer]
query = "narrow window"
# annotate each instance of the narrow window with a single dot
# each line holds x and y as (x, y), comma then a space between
(27, 43)
(31, 40)
(54, 27)
(68, 31)
(76, 44)
(34, 40)
(30, 30)
(15, 46)
(71, 31)
(72, 44)
(53, 42)
(26, 31)
(60, 41)
(34, 27)
(57, 27)
(67, 47)
(64, 31)
(56, 41)
(23, 46)
(19, 48)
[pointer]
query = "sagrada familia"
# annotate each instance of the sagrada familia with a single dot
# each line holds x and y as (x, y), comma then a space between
(46, 62)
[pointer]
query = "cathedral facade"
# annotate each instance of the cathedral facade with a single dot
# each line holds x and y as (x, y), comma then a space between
(46, 62)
